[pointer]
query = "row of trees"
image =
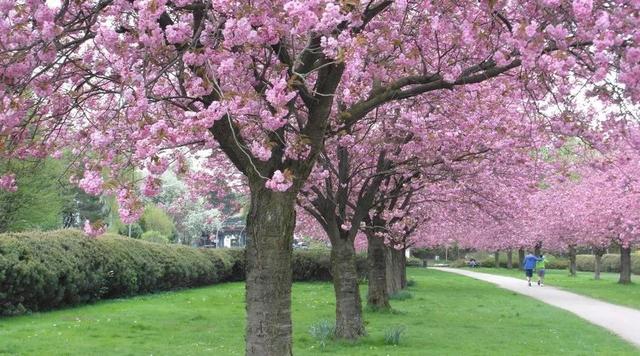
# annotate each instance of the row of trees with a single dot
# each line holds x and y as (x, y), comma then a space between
(420, 114)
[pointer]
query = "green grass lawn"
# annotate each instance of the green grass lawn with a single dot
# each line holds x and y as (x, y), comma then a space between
(447, 315)
(607, 288)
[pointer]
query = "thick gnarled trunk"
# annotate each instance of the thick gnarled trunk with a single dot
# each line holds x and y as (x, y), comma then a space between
(349, 322)
(510, 259)
(377, 297)
(572, 260)
(625, 265)
(270, 225)
(396, 270)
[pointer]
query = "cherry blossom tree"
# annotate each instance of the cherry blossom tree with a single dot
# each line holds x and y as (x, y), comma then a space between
(144, 83)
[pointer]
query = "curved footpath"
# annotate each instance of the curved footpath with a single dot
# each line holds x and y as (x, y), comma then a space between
(620, 320)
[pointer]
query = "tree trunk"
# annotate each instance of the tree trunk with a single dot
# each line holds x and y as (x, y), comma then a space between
(625, 265)
(349, 322)
(520, 258)
(270, 225)
(598, 265)
(537, 249)
(377, 297)
(572, 260)
(402, 267)
(396, 277)
(496, 259)
(510, 259)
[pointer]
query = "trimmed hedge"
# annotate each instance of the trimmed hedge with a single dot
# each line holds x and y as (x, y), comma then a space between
(47, 270)
(553, 262)
(610, 263)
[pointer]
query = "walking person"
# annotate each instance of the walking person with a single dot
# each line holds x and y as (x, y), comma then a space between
(540, 267)
(529, 264)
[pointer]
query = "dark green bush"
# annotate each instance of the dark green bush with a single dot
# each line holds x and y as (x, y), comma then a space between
(47, 270)
(610, 263)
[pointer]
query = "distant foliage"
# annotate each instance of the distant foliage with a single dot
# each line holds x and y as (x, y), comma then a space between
(155, 237)
(156, 219)
(610, 263)
(414, 262)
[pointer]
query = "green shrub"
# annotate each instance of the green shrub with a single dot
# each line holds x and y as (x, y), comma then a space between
(414, 262)
(610, 263)
(315, 265)
(459, 263)
(136, 230)
(155, 236)
(47, 270)
(393, 334)
(553, 262)
(585, 262)
(323, 331)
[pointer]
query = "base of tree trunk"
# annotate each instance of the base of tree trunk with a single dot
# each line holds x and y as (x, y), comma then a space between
(270, 225)
(625, 265)
(396, 270)
(377, 296)
(572, 261)
(349, 321)
(598, 263)
(510, 259)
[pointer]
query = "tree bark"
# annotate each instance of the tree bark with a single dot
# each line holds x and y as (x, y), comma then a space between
(520, 258)
(537, 249)
(396, 271)
(625, 265)
(270, 225)
(496, 259)
(349, 322)
(598, 264)
(572, 260)
(377, 297)
(510, 259)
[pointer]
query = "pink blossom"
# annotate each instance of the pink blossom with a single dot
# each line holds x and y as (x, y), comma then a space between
(91, 182)
(582, 8)
(8, 182)
(93, 231)
(178, 33)
(261, 151)
(279, 182)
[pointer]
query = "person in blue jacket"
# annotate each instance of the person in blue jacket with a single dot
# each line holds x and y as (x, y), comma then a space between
(529, 264)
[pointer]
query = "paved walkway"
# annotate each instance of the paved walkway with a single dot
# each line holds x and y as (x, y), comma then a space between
(620, 320)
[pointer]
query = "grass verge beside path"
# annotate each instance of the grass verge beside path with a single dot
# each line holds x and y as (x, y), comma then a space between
(606, 289)
(447, 315)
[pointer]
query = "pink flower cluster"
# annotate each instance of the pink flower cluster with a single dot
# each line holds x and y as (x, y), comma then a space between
(279, 182)
(91, 182)
(93, 231)
(8, 182)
